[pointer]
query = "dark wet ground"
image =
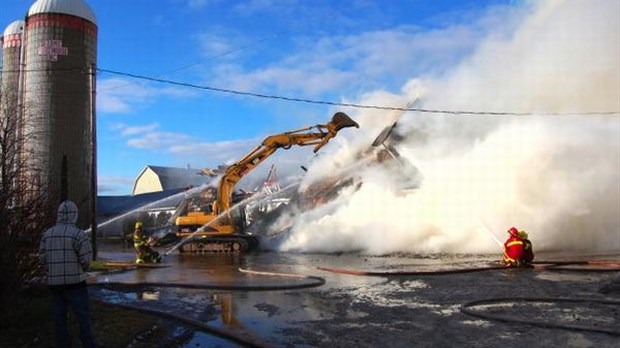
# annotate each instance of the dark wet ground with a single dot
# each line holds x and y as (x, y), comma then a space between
(370, 311)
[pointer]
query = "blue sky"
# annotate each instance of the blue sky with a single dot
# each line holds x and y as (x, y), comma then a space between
(320, 50)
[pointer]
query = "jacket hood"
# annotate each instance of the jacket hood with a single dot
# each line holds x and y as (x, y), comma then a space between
(67, 213)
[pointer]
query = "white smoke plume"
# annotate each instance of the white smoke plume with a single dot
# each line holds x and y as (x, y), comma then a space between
(557, 177)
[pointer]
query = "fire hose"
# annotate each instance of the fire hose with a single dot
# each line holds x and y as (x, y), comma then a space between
(613, 266)
(467, 309)
(245, 339)
(249, 341)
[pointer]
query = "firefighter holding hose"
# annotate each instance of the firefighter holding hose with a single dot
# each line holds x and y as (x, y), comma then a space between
(518, 249)
(142, 244)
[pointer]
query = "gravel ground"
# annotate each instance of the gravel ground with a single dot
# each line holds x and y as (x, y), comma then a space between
(390, 311)
(425, 312)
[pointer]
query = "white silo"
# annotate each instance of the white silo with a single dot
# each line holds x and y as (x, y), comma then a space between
(11, 55)
(11, 42)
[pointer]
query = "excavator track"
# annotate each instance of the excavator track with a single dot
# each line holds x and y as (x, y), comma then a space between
(219, 245)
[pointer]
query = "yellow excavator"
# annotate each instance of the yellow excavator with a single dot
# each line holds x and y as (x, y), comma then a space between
(208, 222)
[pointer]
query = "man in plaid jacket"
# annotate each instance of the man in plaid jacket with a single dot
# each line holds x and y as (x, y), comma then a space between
(65, 253)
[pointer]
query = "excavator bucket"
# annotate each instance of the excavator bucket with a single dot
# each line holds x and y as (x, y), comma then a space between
(341, 120)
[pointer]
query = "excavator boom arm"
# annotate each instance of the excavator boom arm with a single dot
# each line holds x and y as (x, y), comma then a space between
(300, 137)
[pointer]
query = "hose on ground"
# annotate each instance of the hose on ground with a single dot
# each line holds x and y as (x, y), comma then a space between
(568, 266)
(467, 309)
(408, 273)
(614, 266)
(246, 339)
(539, 265)
(314, 282)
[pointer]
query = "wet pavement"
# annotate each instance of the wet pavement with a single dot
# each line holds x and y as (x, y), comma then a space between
(269, 307)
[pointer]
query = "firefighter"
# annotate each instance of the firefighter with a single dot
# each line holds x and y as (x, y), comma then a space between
(142, 244)
(513, 249)
(528, 251)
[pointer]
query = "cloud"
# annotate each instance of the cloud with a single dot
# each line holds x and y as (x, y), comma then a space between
(391, 52)
(563, 58)
(184, 147)
(217, 152)
(148, 137)
(342, 64)
(214, 44)
(292, 80)
(118, 95)
(219, 43)
(129, 130)
(113, 185)
(158, 140)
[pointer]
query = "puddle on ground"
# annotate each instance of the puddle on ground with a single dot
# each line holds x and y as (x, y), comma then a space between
(270, 314)
(559, 276)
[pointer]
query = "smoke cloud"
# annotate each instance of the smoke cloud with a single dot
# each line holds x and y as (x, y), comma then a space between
(556, 177)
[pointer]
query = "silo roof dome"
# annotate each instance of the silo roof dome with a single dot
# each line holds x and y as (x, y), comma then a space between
(76, 8)
(16, 27)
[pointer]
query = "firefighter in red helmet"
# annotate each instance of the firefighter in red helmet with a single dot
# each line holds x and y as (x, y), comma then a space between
(513, 249)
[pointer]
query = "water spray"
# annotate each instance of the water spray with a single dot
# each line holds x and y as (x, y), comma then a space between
(257, 198)
(492, 234)
(142, 207)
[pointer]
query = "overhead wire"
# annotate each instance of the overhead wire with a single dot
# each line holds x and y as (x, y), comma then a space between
(330, 103)
(354, 105)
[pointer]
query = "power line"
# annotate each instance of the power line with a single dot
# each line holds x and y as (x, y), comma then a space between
(352, 105)
(323, 102)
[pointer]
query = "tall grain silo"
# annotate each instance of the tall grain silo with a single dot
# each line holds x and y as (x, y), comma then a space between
(58, 117)
(11, 56)
(11, 42)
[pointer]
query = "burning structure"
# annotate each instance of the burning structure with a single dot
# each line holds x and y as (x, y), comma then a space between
(547, 160)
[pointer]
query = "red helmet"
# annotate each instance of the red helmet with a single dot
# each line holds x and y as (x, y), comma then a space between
(513, 231)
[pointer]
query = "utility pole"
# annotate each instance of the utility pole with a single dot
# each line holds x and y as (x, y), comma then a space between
(93, 147)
